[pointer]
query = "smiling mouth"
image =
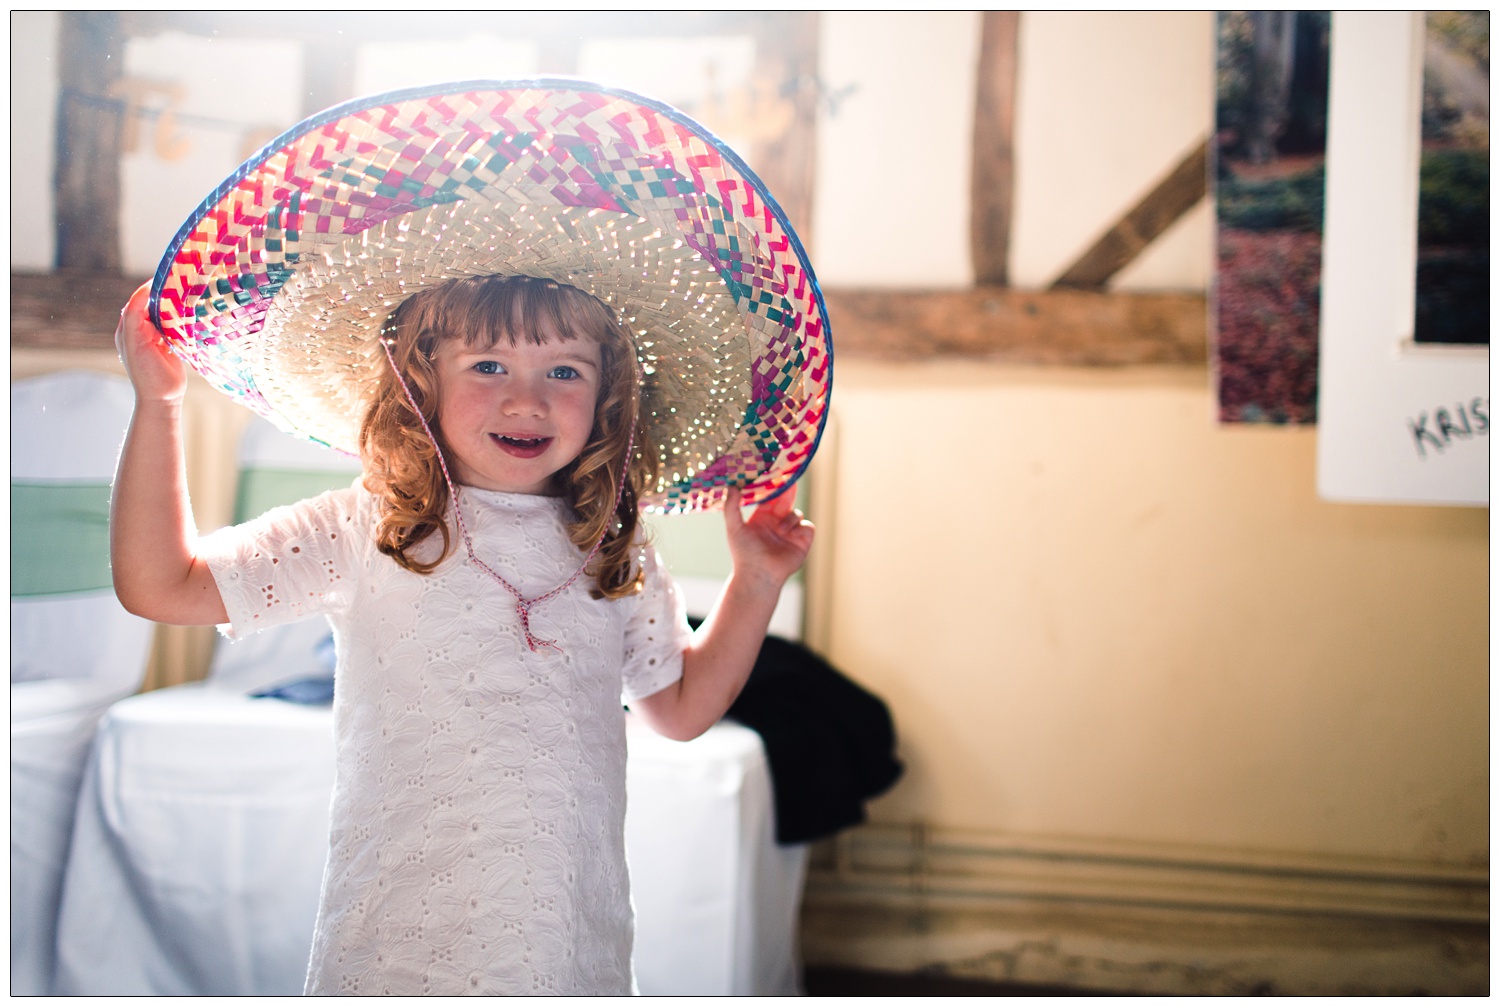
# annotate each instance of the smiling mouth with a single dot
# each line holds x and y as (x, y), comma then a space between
(522, 447)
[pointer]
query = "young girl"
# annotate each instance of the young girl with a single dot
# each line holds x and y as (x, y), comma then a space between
(492, 598)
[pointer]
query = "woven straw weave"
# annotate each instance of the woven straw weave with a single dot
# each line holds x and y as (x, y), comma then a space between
(276, 289)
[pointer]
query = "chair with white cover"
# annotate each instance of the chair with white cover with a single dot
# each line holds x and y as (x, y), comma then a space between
(203, 817)
(74, 649)
(203, 828)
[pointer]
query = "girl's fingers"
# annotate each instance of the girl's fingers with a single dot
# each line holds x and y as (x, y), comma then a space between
(732, 516)
(137, 303)
(777, 518)
(135, 327)
(781, 505)
(772, 513)
(149, 362)
(141, 292)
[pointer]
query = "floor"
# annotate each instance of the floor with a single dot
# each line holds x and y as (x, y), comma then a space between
(829, 982)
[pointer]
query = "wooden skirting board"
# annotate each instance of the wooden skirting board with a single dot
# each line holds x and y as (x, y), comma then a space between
(1062, 327)
(1143, 918)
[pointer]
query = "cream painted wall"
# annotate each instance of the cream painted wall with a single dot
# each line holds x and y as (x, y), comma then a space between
(33, 131)
(1108, 102)
(157, 195)
(894, 159)
(1096, 614)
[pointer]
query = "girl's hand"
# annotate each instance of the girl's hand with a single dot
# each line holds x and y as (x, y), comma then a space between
(773, 544)
(766, 550)
(153, 369)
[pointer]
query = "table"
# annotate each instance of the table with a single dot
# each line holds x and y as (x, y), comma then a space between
(202, 830)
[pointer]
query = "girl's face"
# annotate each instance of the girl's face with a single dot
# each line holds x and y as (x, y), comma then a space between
(515, 415)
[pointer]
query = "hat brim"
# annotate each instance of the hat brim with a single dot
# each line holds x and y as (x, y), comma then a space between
(276, 287)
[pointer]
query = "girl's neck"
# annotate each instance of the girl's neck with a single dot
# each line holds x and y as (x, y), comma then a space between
(552, 492)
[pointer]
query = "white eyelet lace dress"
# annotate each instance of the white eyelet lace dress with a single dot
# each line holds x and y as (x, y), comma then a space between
(477, 842)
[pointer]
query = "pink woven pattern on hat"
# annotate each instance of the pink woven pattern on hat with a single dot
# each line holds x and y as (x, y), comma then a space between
(541, 146)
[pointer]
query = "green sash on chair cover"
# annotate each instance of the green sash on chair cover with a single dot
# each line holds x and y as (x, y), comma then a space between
(59, 531)
(59, 538)
(261, 489)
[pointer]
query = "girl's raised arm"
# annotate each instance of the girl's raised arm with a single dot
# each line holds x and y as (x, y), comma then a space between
(765, 550)
(151, 531)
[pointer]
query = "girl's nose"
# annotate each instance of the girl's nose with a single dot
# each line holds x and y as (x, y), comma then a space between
(522, 399)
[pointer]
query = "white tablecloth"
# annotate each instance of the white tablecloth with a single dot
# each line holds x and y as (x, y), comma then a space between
(52, 726)
(202, 830)
(716, 899)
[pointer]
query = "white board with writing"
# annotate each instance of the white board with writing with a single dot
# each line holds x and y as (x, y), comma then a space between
(1397, 422)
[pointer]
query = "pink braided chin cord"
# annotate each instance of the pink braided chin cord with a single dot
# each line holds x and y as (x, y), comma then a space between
(523, 605)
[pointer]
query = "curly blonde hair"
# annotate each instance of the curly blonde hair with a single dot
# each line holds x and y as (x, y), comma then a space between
(401, 462)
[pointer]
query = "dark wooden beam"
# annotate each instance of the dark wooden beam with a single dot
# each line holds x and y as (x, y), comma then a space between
(1061, 327)
(86, 180)
(993, 178)
(67, 310)
(1174, 196)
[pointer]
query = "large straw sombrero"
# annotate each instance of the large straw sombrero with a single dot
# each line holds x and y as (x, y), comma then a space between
(276, 288)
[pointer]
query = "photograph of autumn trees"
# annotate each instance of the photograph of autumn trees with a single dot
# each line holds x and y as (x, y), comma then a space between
(1453, 203)
(1271, 137)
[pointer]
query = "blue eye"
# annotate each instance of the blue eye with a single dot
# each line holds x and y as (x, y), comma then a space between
(489, 367)
(565, 372)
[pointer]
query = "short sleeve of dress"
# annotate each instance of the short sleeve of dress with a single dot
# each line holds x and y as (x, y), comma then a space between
(289, 563)
(657, 633)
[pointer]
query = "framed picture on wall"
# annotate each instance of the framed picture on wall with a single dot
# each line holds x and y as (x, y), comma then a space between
(1270, 137)
(1402, 417)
